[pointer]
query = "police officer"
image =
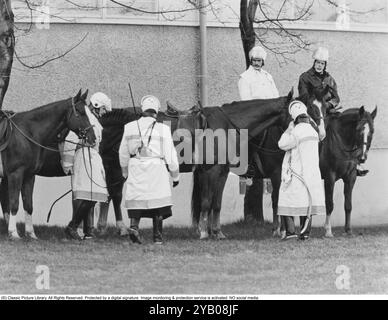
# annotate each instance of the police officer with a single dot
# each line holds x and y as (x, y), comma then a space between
(84, 163)
(318, 78)
(255, 83)
(147, 159)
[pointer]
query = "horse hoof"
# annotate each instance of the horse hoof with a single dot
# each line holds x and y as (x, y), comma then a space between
(219, 235)
(329, 235)
(31, 236)
(203, 235)
(13, 236)
(348, 233)
(123, 232)
(276, 233)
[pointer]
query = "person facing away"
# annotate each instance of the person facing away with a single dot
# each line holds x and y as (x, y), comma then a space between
(317, 78)
(255, 83)
(84, 163)
(147, 159)
(301, 190)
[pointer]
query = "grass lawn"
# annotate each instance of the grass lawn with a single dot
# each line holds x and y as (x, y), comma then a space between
(250, 262)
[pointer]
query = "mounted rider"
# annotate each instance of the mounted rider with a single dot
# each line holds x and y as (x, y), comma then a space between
(84, 163)
(255, 83)
(317, 78)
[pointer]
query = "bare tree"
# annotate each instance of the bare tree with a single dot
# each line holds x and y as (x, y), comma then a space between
(7, 45)
(257, 20)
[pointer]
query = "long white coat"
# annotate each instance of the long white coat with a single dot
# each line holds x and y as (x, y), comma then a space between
(88, 183)
(255, 84)
(301, 159)
(148, 183)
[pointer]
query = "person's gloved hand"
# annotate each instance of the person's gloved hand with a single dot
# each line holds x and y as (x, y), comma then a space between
(175, 183)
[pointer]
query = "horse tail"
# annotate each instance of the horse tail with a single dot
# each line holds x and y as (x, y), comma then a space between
(196, 198)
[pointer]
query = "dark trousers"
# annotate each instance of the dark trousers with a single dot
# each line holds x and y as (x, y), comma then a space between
(83, 211)
(290, 224)
(157, 224)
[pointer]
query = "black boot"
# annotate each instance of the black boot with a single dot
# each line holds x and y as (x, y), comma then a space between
(158, 229)
(134, 234)
(290, 228)
(88, 224)
(306, 234)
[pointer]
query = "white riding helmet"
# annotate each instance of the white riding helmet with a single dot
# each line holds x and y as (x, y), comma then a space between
(99, 100)
(150, 102)
(296, 108)
(321, 54)
(257, 53)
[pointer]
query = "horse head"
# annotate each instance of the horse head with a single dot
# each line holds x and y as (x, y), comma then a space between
(285, 116)
(365, 130)
(78, 120)
(317, 104)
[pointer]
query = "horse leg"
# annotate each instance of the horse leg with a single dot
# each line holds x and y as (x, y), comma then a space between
(329, 189)
(27, 188)
(118, 214)
(14, 186)
(207, 191)
(348, 189)
(4, 199)
(275, 179)
(253, 201)
(103, 208)
(216, 221)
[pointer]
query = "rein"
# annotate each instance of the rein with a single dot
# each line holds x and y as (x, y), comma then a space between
(13, 124)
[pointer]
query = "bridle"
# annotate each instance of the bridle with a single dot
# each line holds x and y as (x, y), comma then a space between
(82, 133)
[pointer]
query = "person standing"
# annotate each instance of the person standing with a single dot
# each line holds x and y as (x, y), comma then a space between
(84, 163)
(147, 158)
(301, 191)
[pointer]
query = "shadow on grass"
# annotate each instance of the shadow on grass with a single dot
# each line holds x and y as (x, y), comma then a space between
(240, 230)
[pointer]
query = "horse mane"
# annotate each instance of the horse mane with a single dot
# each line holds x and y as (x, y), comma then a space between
(117, 117)
(247, 103)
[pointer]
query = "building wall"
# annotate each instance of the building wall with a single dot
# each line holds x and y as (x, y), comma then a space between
(164, 61)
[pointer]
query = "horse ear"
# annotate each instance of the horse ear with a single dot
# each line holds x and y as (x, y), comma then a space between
(361, 111)
(77, 97)
(290, 94)
(374, 112)
(85, 95)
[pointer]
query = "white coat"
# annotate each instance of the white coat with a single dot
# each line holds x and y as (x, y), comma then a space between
(88, 183)
(301, 160)
(148, 182)
(255, 84)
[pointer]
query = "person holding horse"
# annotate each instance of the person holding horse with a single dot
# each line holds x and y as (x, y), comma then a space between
(147, 157)
(255, 83)
(84, 163)
(301, 190)
(317, 78)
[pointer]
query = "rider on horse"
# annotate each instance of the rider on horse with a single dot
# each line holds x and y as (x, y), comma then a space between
(255, 83)
(318, 78)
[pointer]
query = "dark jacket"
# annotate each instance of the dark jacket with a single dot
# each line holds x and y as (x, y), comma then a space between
(311, 80)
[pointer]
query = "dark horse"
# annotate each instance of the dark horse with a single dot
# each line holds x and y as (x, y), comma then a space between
(348, 139)
(26, 152)
(210, 179)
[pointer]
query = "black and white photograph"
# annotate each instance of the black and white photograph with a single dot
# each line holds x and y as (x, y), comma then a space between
(200, 150)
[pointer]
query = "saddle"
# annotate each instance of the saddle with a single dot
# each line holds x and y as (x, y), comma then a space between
(171, 110)
(6, 128)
